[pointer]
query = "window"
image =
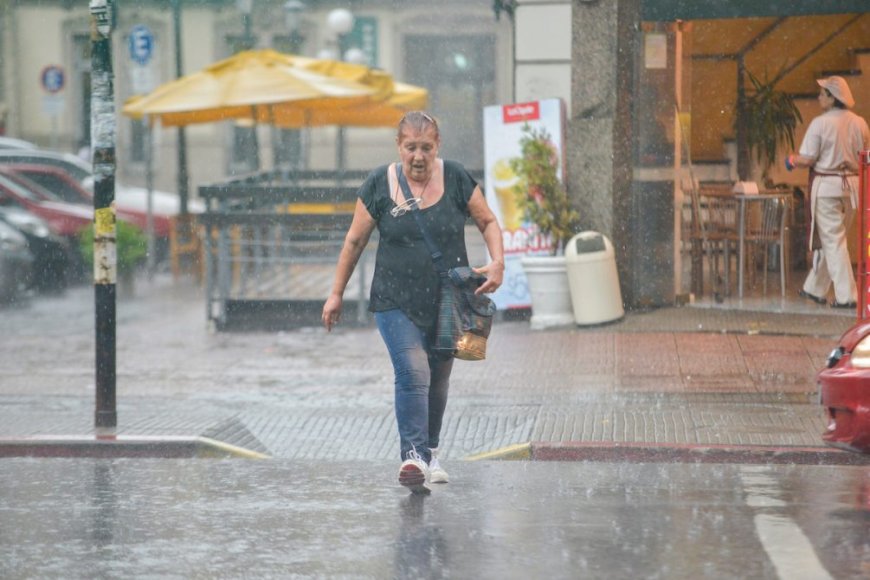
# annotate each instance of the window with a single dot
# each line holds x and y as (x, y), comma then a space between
(138, 141)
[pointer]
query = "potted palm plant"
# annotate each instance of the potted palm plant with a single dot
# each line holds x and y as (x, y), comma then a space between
(543, 200)
(769, 118)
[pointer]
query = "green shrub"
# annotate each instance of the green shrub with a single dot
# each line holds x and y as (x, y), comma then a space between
(131, 246)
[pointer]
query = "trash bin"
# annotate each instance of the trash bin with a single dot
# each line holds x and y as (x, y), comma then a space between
(592, 277)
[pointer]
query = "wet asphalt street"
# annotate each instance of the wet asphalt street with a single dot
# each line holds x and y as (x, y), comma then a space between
(65, 518)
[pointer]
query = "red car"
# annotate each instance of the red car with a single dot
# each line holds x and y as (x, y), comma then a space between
(844, 391)
(61, 184)
(65, 219)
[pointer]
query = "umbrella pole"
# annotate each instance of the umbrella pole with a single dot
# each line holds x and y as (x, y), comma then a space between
(149, 187)
(255, 144)
(277, 166)
(339, 157)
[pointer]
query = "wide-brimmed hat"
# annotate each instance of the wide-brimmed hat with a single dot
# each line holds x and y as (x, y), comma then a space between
(839, 90)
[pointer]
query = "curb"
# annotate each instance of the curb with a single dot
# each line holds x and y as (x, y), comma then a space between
(673, 453)
(123, 446)
(521, 451)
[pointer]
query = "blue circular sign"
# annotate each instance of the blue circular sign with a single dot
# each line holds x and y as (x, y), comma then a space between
(52, 78)
(141, 44)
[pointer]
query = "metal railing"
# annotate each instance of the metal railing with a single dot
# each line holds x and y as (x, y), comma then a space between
(271, 242)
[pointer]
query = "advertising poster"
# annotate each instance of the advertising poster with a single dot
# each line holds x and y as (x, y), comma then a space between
(502, 131)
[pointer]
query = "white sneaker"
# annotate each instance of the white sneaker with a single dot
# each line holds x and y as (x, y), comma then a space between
(414, 473)
(436, 472)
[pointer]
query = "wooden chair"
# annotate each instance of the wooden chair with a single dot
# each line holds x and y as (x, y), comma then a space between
(711, 228)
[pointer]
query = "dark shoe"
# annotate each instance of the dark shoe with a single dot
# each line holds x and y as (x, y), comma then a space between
(812, 297)
(844, 305)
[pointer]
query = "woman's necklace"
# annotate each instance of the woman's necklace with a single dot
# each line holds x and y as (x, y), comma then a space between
(422, 191)
(425, 185)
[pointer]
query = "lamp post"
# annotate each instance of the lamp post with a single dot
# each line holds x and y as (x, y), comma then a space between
(291, 139)
(245, 7)
(183, 185)
(293, 10)
(340, 22)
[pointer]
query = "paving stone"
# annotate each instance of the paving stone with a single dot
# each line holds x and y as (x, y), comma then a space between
(672, 376)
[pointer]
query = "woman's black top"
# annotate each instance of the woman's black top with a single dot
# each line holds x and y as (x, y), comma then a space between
(405, 277)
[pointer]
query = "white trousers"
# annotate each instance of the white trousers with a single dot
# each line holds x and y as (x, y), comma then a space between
(832, 217)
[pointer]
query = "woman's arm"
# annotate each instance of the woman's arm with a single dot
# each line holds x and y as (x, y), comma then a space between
(488, 226)
(796, 160)
(355, 241)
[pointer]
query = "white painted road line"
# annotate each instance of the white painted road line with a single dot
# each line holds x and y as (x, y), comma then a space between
(788, 548)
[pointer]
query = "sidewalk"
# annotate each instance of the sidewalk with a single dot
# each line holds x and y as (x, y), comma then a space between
(671, 377)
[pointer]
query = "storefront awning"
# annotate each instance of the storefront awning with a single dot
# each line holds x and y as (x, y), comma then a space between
(670, 10)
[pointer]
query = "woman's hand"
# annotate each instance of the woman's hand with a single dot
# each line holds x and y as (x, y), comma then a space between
(494, 272)
(331, 311)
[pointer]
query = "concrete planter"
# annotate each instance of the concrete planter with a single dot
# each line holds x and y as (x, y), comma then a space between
(549, 290)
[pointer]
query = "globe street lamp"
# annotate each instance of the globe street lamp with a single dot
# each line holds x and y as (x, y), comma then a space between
(355, 55)
(340, 21)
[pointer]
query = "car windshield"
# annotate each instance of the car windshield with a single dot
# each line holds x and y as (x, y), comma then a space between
(51, 181)
(74, 169)
(26, 188)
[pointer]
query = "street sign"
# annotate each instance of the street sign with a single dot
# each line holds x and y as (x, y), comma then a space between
(365, 37)
(141, 44)
(53, 104)
(52, 78)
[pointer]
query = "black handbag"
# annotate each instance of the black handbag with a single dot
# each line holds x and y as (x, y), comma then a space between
(464, 318)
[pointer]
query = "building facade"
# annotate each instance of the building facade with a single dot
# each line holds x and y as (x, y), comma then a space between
(461, 53)
(651, 88)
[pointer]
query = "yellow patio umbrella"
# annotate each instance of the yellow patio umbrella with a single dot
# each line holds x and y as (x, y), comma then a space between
(248, 85)
(371, 113)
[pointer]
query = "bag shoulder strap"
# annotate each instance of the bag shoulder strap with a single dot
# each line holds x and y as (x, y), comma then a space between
(434, 252)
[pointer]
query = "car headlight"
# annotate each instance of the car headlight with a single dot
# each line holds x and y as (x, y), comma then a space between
(835, 356)
(861, 354)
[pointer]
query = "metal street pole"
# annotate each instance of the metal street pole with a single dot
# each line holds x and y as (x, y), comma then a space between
(182, 136)
(290, 139)
(248, 41)
(340, 21)
(149, 187)
(105, 249)
(339, 136)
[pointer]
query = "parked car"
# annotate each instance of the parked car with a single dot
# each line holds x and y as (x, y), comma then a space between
(52, 255)
(844, 391)
(65, 219)
(133, 198)
(12, 143)
(62, 184)
(15, 263)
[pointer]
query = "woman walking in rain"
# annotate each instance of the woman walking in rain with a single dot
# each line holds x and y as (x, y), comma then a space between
(404, 293)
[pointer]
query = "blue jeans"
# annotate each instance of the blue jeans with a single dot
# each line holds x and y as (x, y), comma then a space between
(422, 383)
